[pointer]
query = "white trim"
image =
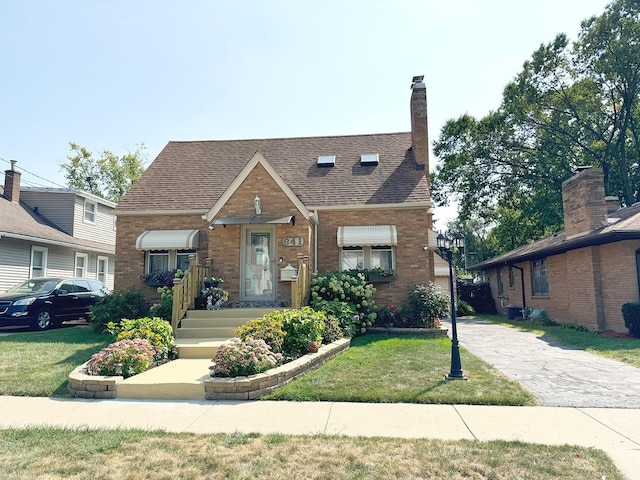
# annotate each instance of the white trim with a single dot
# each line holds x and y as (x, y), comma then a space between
(372, 206)
(257, 158)
(45, 257)
(106, 268)
(136, 213)
(85, 268)
(57, 242)
(94, 213)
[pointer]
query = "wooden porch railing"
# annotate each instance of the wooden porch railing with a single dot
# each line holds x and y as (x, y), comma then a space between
(186, 289)
(300, 287)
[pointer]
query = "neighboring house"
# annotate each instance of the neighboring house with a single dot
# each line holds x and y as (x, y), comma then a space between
(582, 275)
(54, 232)
(255, 207)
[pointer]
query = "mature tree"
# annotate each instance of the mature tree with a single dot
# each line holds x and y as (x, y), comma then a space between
(569, 106)
(107, 176)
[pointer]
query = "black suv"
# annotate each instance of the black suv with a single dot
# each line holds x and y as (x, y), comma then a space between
(43, 303)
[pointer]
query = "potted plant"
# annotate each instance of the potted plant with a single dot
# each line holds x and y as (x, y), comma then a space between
(214, 297)
(212, 281)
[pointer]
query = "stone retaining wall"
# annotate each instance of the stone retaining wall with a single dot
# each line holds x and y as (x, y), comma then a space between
(255, 386)
(82, 385)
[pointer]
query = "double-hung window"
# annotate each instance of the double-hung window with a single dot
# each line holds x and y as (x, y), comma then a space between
(367, 247)
(540, 283)
(39, 262)
(158, 261)
(82, 260)
(500, 282)
(90, 211)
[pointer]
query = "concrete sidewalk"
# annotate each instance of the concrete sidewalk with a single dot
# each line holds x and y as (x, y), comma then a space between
(613, 430)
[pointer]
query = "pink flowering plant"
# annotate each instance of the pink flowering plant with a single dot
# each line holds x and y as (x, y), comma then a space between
(126, 357)
(244, 357)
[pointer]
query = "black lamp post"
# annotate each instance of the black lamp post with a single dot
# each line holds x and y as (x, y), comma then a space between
(446, 247)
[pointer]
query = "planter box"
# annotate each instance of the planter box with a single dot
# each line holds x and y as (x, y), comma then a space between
(377, 278)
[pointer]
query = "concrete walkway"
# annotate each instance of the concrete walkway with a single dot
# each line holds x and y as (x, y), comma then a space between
(613, 430)
(557, 375)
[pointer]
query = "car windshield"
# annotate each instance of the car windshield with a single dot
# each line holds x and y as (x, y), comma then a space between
(35, 286)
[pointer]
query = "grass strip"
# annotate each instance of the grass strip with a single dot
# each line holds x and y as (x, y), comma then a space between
(381, 368)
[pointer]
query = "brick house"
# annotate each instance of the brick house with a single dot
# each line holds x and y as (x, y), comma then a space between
(582, 275)
(254, 207)
(55, 232)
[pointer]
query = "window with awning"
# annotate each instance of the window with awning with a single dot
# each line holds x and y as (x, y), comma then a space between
(367, 247)
(168, 240)
(367, 235)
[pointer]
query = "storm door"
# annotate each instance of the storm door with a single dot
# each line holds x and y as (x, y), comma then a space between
(258, 263)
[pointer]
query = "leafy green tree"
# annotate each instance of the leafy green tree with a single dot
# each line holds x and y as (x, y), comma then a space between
(107, 176)
(571, 105)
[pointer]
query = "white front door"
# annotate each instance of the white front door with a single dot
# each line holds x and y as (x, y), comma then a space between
(258, 263)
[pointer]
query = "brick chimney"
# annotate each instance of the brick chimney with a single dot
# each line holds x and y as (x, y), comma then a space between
(419, 128)
(12, 183)
(583, 202)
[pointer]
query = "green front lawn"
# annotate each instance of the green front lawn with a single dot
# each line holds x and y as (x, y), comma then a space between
(626, 350)
(135, 454)
(37, 364)
(378, 368)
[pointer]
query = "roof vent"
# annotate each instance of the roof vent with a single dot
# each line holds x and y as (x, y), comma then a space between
(369, 159)
(326, 160)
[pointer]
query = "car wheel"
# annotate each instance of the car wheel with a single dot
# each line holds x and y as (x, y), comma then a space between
(44, 320)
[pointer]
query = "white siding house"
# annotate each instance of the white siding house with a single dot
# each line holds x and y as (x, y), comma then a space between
(52, 232)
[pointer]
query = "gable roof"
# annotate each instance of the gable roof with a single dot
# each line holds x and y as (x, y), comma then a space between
(258, 158)
(193, 176)
(21, 222)
(623, 224)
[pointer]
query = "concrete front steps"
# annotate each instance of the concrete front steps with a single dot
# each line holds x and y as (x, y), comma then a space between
(200, 335)
(201, 332)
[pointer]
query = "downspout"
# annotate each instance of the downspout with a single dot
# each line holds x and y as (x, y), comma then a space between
(315, 221)
(524, 299)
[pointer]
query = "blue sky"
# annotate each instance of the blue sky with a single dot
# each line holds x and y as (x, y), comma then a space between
(111, 74)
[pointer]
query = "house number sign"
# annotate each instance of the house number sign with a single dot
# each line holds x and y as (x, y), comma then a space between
(293, 241)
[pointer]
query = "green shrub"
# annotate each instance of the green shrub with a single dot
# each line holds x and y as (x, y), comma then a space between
(127, 304)
(164, 309)
(631, 315)
(332, 330)
(126, 358)
(157, 330)
(345, 313)
(463, 309)
(302, 327)
(348, 287)
(244, 357)
(547, 321)
(426, 303)
(268, 328)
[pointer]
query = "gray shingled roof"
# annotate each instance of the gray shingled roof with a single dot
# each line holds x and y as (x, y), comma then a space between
(624, 225)
(193, 175)
(19, 221)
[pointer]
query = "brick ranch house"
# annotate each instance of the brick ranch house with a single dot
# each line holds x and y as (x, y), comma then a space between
(582, 275)
(254, 207)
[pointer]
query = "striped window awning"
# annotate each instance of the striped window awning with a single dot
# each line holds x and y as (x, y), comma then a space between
(372, 235)
(168, 240)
